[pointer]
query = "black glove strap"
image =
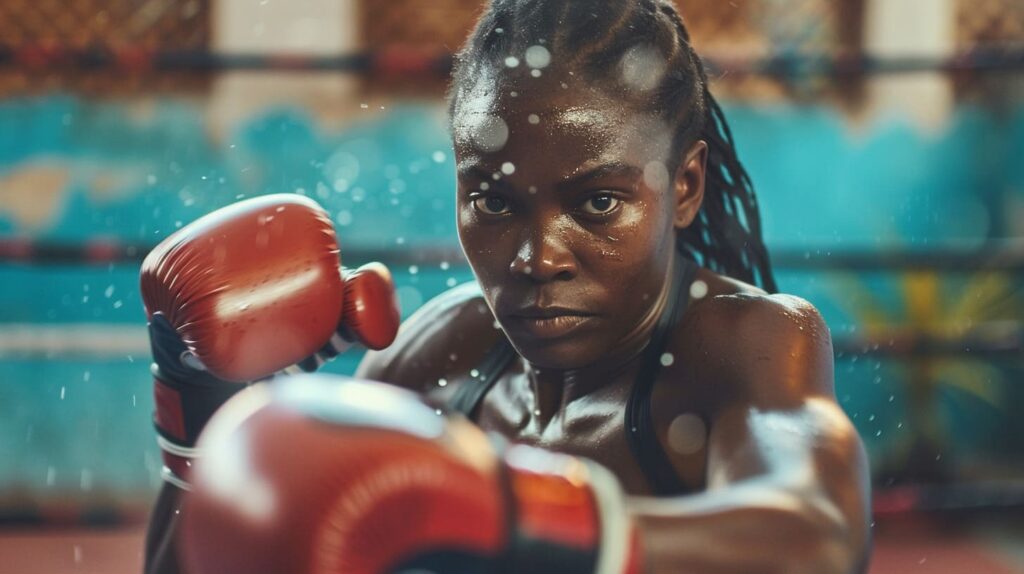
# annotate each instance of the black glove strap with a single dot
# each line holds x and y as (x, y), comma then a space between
(187, 395)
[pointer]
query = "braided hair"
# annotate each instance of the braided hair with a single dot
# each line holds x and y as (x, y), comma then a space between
(594, 38)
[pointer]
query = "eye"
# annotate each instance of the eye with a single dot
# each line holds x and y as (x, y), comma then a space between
(601, 204)
(491, 205)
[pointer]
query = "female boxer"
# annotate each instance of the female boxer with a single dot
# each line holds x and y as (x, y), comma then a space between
(616, 243)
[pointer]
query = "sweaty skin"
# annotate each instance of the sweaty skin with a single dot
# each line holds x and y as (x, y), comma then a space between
(568, 205)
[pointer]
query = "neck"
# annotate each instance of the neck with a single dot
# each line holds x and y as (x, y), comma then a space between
(554, 389)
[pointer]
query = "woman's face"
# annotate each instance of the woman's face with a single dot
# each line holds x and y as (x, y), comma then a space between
(567, 214)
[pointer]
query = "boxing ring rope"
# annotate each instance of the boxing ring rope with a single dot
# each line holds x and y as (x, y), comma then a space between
(993, 340)
(405, 61)
(995, 256)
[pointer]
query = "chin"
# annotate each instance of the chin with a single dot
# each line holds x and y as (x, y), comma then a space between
(560, 355)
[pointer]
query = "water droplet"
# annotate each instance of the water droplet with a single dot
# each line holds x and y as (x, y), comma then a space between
(512, 62)
(62, 390)
(438, 156)
(445, 265)
(687, 433)
(698, 289)
(667, 359)
(438, 412)
(508, 168)
(533, 119)
(490, 134)
(474, 373)
(537, 57)
(656, 175)
(451, 282)
(442, 382)
(535, 73)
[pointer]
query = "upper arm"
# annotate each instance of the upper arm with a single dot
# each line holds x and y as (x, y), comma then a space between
(780, 422)
(448, 333)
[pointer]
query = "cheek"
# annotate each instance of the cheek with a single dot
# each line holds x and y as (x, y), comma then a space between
(483, 245)
(640, 234)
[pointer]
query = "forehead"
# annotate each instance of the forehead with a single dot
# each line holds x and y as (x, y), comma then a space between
(558, 115)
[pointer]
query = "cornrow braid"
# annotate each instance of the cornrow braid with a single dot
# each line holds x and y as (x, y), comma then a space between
(593, 37)
(726, 236)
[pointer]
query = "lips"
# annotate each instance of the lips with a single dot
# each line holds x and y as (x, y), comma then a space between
(548, 322)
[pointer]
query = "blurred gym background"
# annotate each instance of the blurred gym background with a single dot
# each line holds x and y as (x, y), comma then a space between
(885, 138)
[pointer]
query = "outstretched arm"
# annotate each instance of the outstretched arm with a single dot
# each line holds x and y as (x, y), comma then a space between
(787, 476)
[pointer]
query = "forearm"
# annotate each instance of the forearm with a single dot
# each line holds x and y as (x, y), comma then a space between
(162, 535)
(749, 527)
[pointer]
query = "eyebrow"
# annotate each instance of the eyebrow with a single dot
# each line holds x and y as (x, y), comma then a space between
(474, 170)
(613, 169)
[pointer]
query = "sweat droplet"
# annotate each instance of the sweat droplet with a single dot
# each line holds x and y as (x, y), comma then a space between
(698, 290)
(687, 434)
(656, 175)
(642, 67)
(490, 134)
(538, 57)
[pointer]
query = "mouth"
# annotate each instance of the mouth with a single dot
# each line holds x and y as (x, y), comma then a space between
(548, 322)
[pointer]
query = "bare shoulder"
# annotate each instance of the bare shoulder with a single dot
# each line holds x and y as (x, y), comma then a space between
(448, 333)
(773, 348)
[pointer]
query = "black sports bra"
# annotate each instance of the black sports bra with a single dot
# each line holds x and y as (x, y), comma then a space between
(653, 460)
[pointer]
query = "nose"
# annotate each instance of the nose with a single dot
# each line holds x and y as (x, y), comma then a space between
(544, 256)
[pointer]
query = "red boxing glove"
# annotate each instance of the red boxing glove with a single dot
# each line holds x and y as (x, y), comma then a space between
(332, 475)
(236, 296)
(252, 287)
(371, 315)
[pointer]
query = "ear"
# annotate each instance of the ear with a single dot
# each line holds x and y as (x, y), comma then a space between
(688, 184)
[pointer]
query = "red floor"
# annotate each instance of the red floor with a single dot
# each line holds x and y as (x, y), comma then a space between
(996, 548)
